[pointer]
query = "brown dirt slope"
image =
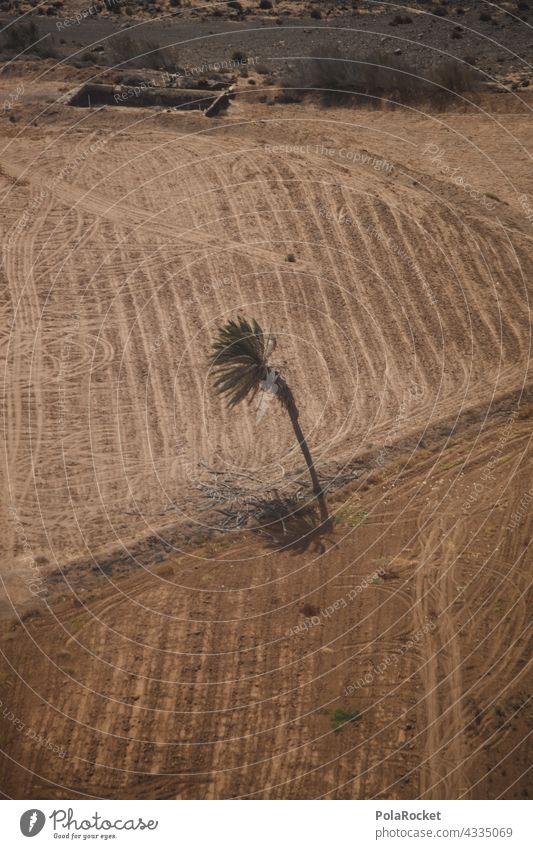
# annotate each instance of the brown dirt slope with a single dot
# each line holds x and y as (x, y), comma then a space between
(213, 676)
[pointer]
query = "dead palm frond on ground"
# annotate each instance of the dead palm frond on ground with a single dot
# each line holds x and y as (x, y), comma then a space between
(240, 365)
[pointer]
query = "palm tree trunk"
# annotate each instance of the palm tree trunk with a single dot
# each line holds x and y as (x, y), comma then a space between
(317, 489)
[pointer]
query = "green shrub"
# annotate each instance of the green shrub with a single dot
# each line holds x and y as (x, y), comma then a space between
(340, 717)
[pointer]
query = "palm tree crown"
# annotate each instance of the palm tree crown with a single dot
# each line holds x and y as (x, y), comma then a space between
(239, 361)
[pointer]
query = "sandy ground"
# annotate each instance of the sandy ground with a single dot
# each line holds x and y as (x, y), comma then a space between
(217, 676)
(404, 329)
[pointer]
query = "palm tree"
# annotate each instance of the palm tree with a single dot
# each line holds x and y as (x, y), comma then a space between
(239, 359)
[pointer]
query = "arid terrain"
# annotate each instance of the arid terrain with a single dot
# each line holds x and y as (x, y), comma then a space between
(153, 649)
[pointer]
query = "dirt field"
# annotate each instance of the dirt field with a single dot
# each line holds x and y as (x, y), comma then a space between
(213, 677)
(147, 655)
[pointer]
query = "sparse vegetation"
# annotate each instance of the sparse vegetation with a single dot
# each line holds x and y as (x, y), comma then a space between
(453, 77)
(526, 411)
(378, 77)
(352, 520)
(143, 54)
(398, 20)
(381, 562)
(341, 717)
(21, 36)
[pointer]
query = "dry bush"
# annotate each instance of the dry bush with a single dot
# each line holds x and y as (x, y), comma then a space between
(375, 78)
(46, 49)
(399, 20)
(21, 36)
(125, 50)
(161, 58)
(143, 54)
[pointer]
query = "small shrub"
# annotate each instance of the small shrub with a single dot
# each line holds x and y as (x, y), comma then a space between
(310, 610)
(239, 56)
(340, 79)
(124, 48)
(265, 4)
(440, 11)
(288, 96)
(234, 4)
(159, 57)
(340, 717)
(377, 77)
(21, 36)
(398, 20)
(352, 520)
(291, 258)
(454, 77)
(46, 49)
(485, 16)
(316, 13)
(526, 412)
(138, 54)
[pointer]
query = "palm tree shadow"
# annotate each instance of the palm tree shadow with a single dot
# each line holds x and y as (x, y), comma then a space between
(296, 530)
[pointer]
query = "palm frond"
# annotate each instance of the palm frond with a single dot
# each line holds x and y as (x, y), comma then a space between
(239, 359)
